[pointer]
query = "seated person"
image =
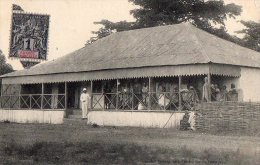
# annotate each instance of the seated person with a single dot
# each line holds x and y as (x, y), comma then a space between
(163, 101)
(191, 98)
(194, 95)
(174, 99)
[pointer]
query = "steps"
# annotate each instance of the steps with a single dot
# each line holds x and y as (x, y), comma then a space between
(75, 118)
(75, 121)
(75, 114)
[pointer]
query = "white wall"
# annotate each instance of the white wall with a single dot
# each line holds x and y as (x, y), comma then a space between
(250, 83)
(136, 119)
(32, 116)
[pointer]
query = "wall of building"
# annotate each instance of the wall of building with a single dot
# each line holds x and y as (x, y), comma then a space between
(250, 84)
(32, 116)
(136, 119)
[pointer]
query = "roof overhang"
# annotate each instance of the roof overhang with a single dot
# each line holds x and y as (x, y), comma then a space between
(142, 72)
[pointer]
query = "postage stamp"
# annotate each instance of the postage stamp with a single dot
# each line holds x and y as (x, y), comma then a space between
(29, 36)
(257, 3)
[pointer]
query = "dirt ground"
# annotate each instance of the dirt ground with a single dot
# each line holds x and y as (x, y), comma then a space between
(77, 132)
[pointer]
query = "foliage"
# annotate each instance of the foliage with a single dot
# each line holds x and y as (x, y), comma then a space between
(252, 34)
(4, 67)
(110, 27)
(207, 15)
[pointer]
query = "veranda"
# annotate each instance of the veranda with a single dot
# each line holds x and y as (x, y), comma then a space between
(176, 93)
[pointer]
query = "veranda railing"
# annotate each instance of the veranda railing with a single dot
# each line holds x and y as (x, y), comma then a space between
(33, 101)
(161, 101)
(144, 101)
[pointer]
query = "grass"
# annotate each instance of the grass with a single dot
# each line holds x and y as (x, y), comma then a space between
(104, 153)
(107, 153)
(77, 143)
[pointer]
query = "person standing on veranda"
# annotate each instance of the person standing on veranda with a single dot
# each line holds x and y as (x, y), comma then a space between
(205, 91)
(85, 100)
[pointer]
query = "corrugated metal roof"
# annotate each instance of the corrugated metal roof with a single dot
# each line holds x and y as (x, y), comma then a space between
(158, 46)
(125, 73)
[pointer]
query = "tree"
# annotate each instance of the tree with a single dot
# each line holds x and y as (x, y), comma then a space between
(4, 67)
(207, 15)
(110, 27)
(252, 34)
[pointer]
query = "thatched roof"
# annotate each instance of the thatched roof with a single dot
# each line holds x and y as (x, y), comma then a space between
(158, 46)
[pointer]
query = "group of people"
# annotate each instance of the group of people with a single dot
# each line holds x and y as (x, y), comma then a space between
(169, 97)
(133, 96)
(129, 95)
(218, 93)
(136, 96)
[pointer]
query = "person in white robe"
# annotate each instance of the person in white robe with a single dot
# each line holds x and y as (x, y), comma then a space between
(85, 101)
(205, 91)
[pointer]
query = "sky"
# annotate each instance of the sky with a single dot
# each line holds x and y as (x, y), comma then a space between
(71, 21)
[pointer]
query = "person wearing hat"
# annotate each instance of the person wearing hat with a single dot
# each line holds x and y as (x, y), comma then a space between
(84, 99)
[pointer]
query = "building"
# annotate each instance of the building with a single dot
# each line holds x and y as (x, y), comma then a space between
(140, 77)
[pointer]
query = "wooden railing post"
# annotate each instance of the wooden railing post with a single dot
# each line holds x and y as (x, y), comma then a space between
(1, 97)
(66, 96)
(10, 99)
(180, 100)
(19, 97)
(117, 83)
(149, 94)
(42, 96)
(133, 99)
(209, 83)
(91, 94)
(103, 95)
(30, 97)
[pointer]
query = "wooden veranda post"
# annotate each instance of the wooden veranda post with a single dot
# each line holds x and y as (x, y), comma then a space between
(117, 83)
(1, 94)
(42, 95)
(66, 96)
(30, 97)
(91, 94)
(19, 96)
(180, 101)
(209, 83)
(149, 93)
(103, 94)
(133, 97)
